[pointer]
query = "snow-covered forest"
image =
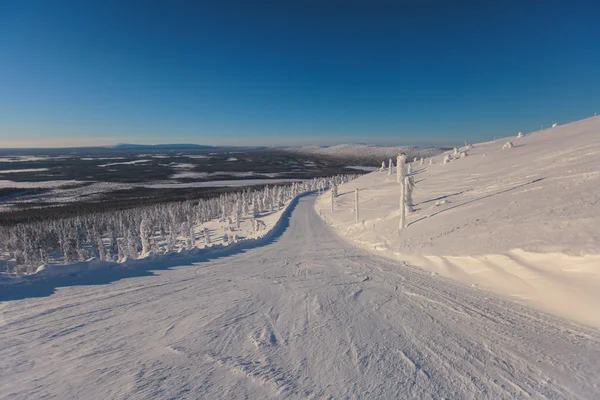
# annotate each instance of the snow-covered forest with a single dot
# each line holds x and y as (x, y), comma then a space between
(116, 236)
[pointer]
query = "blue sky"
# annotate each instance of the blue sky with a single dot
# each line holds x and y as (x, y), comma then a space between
(292, 72)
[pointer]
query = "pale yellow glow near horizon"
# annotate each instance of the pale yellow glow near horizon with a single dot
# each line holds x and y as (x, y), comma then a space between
(66, 142)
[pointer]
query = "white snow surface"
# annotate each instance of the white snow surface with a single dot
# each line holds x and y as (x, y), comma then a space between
(126, 162)
(522, 222)
(12, 171)
(305, 316)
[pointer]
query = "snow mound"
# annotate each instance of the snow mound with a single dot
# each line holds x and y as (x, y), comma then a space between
(522, 223)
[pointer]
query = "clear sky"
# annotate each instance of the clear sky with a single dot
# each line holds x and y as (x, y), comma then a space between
(293, 72)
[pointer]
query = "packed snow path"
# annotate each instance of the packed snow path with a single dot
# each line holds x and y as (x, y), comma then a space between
(307, 316)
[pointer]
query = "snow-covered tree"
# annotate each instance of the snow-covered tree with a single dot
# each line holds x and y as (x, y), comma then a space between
(446, 158)
(508, 145)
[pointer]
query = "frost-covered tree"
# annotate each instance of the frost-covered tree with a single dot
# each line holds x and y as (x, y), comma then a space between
(508, 145)
(520, 135)
(207, 236)
(146, 232)
(446, 158)
(382, 166)
(390, 167)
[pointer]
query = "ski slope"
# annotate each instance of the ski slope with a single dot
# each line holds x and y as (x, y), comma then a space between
(306, 316)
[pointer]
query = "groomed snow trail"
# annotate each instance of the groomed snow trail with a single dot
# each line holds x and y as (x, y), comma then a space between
(308, 316)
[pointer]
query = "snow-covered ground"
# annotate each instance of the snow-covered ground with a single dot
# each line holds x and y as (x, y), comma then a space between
(15, 171)
(71, 191)
(306, 316)
(135, 162)
(522, 222)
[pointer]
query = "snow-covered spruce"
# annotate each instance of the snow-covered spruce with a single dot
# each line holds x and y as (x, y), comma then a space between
(520, 135)
(446, 158)
(116, 236)
(508, 145)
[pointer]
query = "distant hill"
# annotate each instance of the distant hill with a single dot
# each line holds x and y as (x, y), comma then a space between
(362, 154)
(126, 146)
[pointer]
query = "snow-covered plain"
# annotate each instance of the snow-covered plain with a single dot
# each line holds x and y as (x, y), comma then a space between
(305, 316)
(522, 222)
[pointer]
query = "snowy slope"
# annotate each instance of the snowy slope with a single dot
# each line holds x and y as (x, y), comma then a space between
(307, 316)
(523, 222)
(366, 154)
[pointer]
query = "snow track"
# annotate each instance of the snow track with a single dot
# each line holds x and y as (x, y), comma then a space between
(307, 316)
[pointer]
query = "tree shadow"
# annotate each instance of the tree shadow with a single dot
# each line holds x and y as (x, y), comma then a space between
(474, 200)
(103, 272)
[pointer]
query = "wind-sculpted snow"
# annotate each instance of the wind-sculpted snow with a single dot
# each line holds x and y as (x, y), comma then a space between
(520, 221)
(307, 316)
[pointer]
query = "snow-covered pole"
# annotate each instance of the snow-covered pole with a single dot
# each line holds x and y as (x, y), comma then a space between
(400, 160)
(390, 167)
(332, 200)
(400, 179)
(402, 206)
(356, 203)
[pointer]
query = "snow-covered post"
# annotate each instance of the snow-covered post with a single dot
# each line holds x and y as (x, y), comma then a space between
(400, 160)
(402, 205)
(431, 161)
(409, 184)
(390, 167)
(409, 169)
(400, 180)
(356, 203)
(382, 166)
(421, 162)
(332, 196)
